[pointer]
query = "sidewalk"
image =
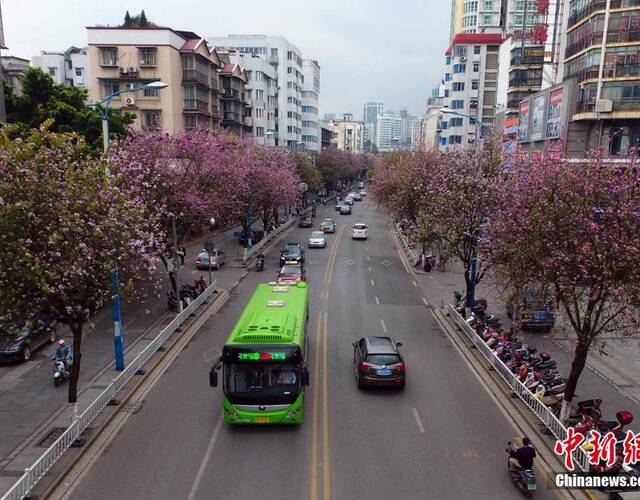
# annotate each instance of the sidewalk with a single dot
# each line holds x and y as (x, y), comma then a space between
(615, 378)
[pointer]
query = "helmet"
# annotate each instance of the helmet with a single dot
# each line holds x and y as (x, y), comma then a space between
(545, 356)
(61, 342)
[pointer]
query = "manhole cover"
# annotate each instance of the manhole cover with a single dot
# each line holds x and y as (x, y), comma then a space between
(56, 432)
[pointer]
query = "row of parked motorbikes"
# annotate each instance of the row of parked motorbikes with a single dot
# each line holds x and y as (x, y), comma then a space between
(188, 293)
(539, 373)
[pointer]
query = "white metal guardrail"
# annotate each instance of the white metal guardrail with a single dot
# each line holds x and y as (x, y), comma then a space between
(267, 238)
(40, 467)
(544, 414)
(405, 244)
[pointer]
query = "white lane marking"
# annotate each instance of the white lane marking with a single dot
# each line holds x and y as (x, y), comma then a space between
(194, 271)
(373, 283)
(384, 326)
(418, 421)
(369, 268)
(414, 283)
(377, 300)
(426, 303)
(205, 459)
(368, 259)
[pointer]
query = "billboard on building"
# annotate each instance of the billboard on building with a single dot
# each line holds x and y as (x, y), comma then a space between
(537, 127)
(554, 113)
(523, 124)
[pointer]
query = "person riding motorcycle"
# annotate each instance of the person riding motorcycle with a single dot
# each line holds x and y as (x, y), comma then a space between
(521, 458)
(63, 353)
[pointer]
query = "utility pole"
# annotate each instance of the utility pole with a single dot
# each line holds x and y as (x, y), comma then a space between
(176, 262)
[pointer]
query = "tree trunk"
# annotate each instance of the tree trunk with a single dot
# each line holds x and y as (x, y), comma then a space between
(76, 329)
(468, 285)
(577, 365)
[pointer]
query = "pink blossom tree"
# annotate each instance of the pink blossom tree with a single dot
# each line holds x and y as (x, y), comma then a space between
(62, 227)
(573, 227)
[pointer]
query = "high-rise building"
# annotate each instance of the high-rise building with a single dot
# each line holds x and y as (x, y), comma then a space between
(287, 61)
(311, 135)
(476, 16)
(71, 67)
(261, 92)
(348, 134)
(130, 57)
(370, 112)
(388, 128)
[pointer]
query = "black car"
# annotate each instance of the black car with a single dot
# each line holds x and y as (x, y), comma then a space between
(19, 342)
(305, 222)
(345, 210)
(291, 252)
(378, 362)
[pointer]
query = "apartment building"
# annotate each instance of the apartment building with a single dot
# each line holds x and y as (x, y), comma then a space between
(349, 134)
(476, 16)
(12, 69)
(260, 93)
(71, 67)
(235, 105)
(470, 89)
(388, 129)
(370, 112)
(130, 57)
(311, 135)
(603, 56)
(288, 64)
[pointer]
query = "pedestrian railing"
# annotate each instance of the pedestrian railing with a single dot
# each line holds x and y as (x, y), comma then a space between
(541, 411)
(40, 467)
(405, 244)
(268, 237)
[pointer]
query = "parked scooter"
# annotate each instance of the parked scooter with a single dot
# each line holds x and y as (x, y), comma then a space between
(260, 262)
(60, 372)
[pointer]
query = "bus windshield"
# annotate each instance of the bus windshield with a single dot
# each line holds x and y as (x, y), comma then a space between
(262, 383)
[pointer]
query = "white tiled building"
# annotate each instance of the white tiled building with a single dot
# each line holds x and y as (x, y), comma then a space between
(71, 67)
(388, 130)
(287, 61)
(311, 136)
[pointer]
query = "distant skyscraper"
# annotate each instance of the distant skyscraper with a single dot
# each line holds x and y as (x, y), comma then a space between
(388, 131)
(370, 112)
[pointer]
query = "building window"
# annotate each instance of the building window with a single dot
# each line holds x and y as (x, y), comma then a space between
(455, 122)
(79, 71)
(109, 88)
(458, 104)
(487, 20)
(459, 68)
(488, 4)
(52, 71)
(151, 119)
(289, 129)
(476, 49)
(446, 92)
(309, 138)
(190, 122)
(458, 86)
(472, 121)
(259, 131)
(109, 56)
(148, 56)
(274, 53)
(474, 84)
(476, 67)
(455, 139)
(473, 104)
(259, 94)
(151, 92)
(249, 75)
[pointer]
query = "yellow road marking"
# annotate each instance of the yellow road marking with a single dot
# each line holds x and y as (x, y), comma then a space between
(314, 413)
(332, 259)
(326, 489)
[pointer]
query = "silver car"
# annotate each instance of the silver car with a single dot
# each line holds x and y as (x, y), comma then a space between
(317, 240)
(218, 259)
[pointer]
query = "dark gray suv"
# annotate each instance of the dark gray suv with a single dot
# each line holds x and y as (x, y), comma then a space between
(378, 362)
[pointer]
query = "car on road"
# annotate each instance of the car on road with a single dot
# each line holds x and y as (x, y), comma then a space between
(328, 226)
(378, 362)
(290, 274)
(363, 192)
(305, 222)
(359, 231)
(357, 196)
(292, 252)
(19, 342)
(218, 259)
(348, 200)
(360, 184)
(345, 210)
(338, 205)
(317, 239)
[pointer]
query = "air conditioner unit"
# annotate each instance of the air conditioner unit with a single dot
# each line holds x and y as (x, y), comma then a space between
(604, 106)
(123, 70)
(223, 91)
(130, 101)
(463, 58)
(133, 69)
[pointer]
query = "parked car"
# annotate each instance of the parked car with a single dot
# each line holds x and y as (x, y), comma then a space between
(328, 226)
(363, 192)
(218, 259)
(290, 274)
(348, 200)
(338, 205)
(357, 196)
(19, 343)
(535, 311)
(345, 210)
(317, 240)
(359, 231)
(361, 184)
(292, 252)
(305, 222)
(378, 362)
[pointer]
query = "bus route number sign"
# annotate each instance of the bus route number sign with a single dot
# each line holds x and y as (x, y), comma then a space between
(262, 356)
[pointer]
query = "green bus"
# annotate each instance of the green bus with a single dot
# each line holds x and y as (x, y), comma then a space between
(264, 361)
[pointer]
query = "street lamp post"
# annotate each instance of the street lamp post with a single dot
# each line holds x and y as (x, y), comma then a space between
(115, 285)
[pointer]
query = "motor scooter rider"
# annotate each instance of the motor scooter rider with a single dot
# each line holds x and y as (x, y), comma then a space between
(63, 353)
(521, 458)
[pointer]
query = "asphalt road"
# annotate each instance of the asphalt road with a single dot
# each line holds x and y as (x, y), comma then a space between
(443, 437)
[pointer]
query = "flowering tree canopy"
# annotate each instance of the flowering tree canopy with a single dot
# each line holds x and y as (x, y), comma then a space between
(62, 228)
(574, 227)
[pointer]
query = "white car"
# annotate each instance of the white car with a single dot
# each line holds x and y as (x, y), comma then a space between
(363, 193)
(317, 240)
(357, 196)
(359, 231)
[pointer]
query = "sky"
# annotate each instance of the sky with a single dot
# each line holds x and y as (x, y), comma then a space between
(390, 51)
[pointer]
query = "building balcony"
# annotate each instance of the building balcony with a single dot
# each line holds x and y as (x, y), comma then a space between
(527, 61)
(526, 83)
(231, 116)
(615, 71)
(595, 39)
(193, 75)
(623, 105)
(595, 5)
(196, 104)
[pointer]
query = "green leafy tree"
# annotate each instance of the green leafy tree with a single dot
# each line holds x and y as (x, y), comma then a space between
(143, 19)
(127, 19)
(42, 100)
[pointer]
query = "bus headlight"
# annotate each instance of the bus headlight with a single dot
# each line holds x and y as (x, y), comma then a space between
(292, 414)
(231, 414)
